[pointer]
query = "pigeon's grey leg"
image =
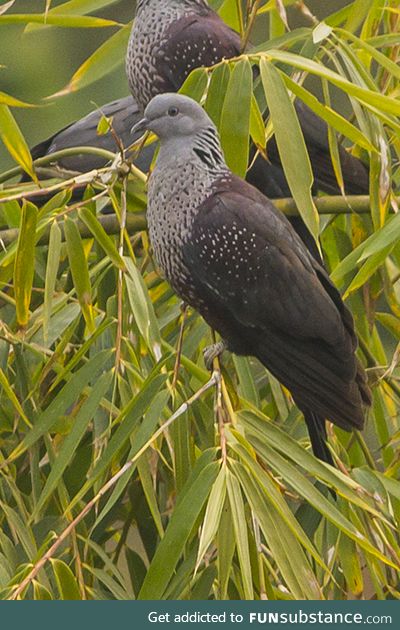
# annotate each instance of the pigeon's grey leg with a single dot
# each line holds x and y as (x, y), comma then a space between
(212, 352)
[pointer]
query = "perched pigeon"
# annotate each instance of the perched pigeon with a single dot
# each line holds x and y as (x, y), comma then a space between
(124, 113)
(170, 38)
(229, 253)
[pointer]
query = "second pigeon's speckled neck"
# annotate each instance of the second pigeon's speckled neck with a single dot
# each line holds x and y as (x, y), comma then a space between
(181, 181)
(147, 42)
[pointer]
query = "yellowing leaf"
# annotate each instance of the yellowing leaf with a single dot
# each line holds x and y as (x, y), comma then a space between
(14, 141)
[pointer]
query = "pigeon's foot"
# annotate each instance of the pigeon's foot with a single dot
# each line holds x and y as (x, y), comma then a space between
(212, 352)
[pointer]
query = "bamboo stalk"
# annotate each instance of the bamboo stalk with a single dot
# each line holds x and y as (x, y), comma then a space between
(136, 222)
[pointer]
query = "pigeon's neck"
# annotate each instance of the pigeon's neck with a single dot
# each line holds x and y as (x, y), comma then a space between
(186, 171)
(177, 5)
(148, 43)
(202, 150)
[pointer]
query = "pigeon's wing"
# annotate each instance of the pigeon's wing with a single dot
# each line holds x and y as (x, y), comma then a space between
(268, 297)
(124, 113)
(192, 42)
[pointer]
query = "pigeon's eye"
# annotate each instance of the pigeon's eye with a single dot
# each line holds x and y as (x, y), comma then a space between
(173, 111)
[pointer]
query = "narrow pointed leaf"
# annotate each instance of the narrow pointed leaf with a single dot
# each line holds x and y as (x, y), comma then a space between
(79, 270)
(65, 580)
(182, 521)
(291, 145)
(24, 268)
(235, 118)
(14, 141)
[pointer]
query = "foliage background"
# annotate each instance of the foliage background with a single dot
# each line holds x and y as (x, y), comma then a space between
(96, 500)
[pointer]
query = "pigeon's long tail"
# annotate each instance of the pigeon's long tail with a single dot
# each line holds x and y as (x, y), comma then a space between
(317, 431)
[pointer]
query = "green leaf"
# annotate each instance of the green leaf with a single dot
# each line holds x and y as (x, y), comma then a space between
(284, 547)
(14, 141)
(213, 515)
(277, 438)
(226, 549)
(71, 442)
(53, 260)
(68, 395)
(257, 128)
(138, 440)
(306, 489)
(24, 268)
(6, 99)
(23, 533)
(333, 119)
(65, 580)
(142, 309)
(368, 269)
(384, 61)
(40, 592)
(73, 8)
(350, 561)
(382, 238)
(275, 497)
(364, 95)
(104, 60)
(195, 84)
(235, 117)
(14, 400)
(101, 236)
(79, 270)
(127, 419)
(240, 529)
(291, 145)
(216, 93)
(66, 21)
(185, 514)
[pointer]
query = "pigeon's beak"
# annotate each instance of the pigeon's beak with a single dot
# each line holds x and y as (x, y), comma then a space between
(140, 126)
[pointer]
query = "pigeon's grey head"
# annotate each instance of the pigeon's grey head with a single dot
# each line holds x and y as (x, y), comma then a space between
(173, 115)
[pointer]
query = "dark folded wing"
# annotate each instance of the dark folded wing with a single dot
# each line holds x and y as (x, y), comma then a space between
(192, 42)
(269, 298)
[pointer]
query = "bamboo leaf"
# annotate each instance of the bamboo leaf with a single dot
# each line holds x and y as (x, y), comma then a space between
(24, 268)
(101, 237)
(286, 550)
(103, 61)
(235, 118)
(79, 271)
(128, 419)
(182, 521)
(142, 309)
(213, 515)
(65, 580)
(291, 145)
(240, 529)
(366, 96)
(53, 260)
(68, 395)
(11, 101)
(66, 21)
(14, 141)
(68, 449)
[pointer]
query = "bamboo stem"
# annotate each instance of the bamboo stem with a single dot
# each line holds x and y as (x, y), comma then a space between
(359, 204)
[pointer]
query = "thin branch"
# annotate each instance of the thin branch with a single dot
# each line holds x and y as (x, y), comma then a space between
(19, 589)
(56, 156)
(134, 223)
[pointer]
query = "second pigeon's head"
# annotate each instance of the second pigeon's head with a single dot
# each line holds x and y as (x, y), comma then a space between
(173, 115)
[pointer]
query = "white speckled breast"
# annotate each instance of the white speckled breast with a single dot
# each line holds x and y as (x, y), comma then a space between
(176, 190)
